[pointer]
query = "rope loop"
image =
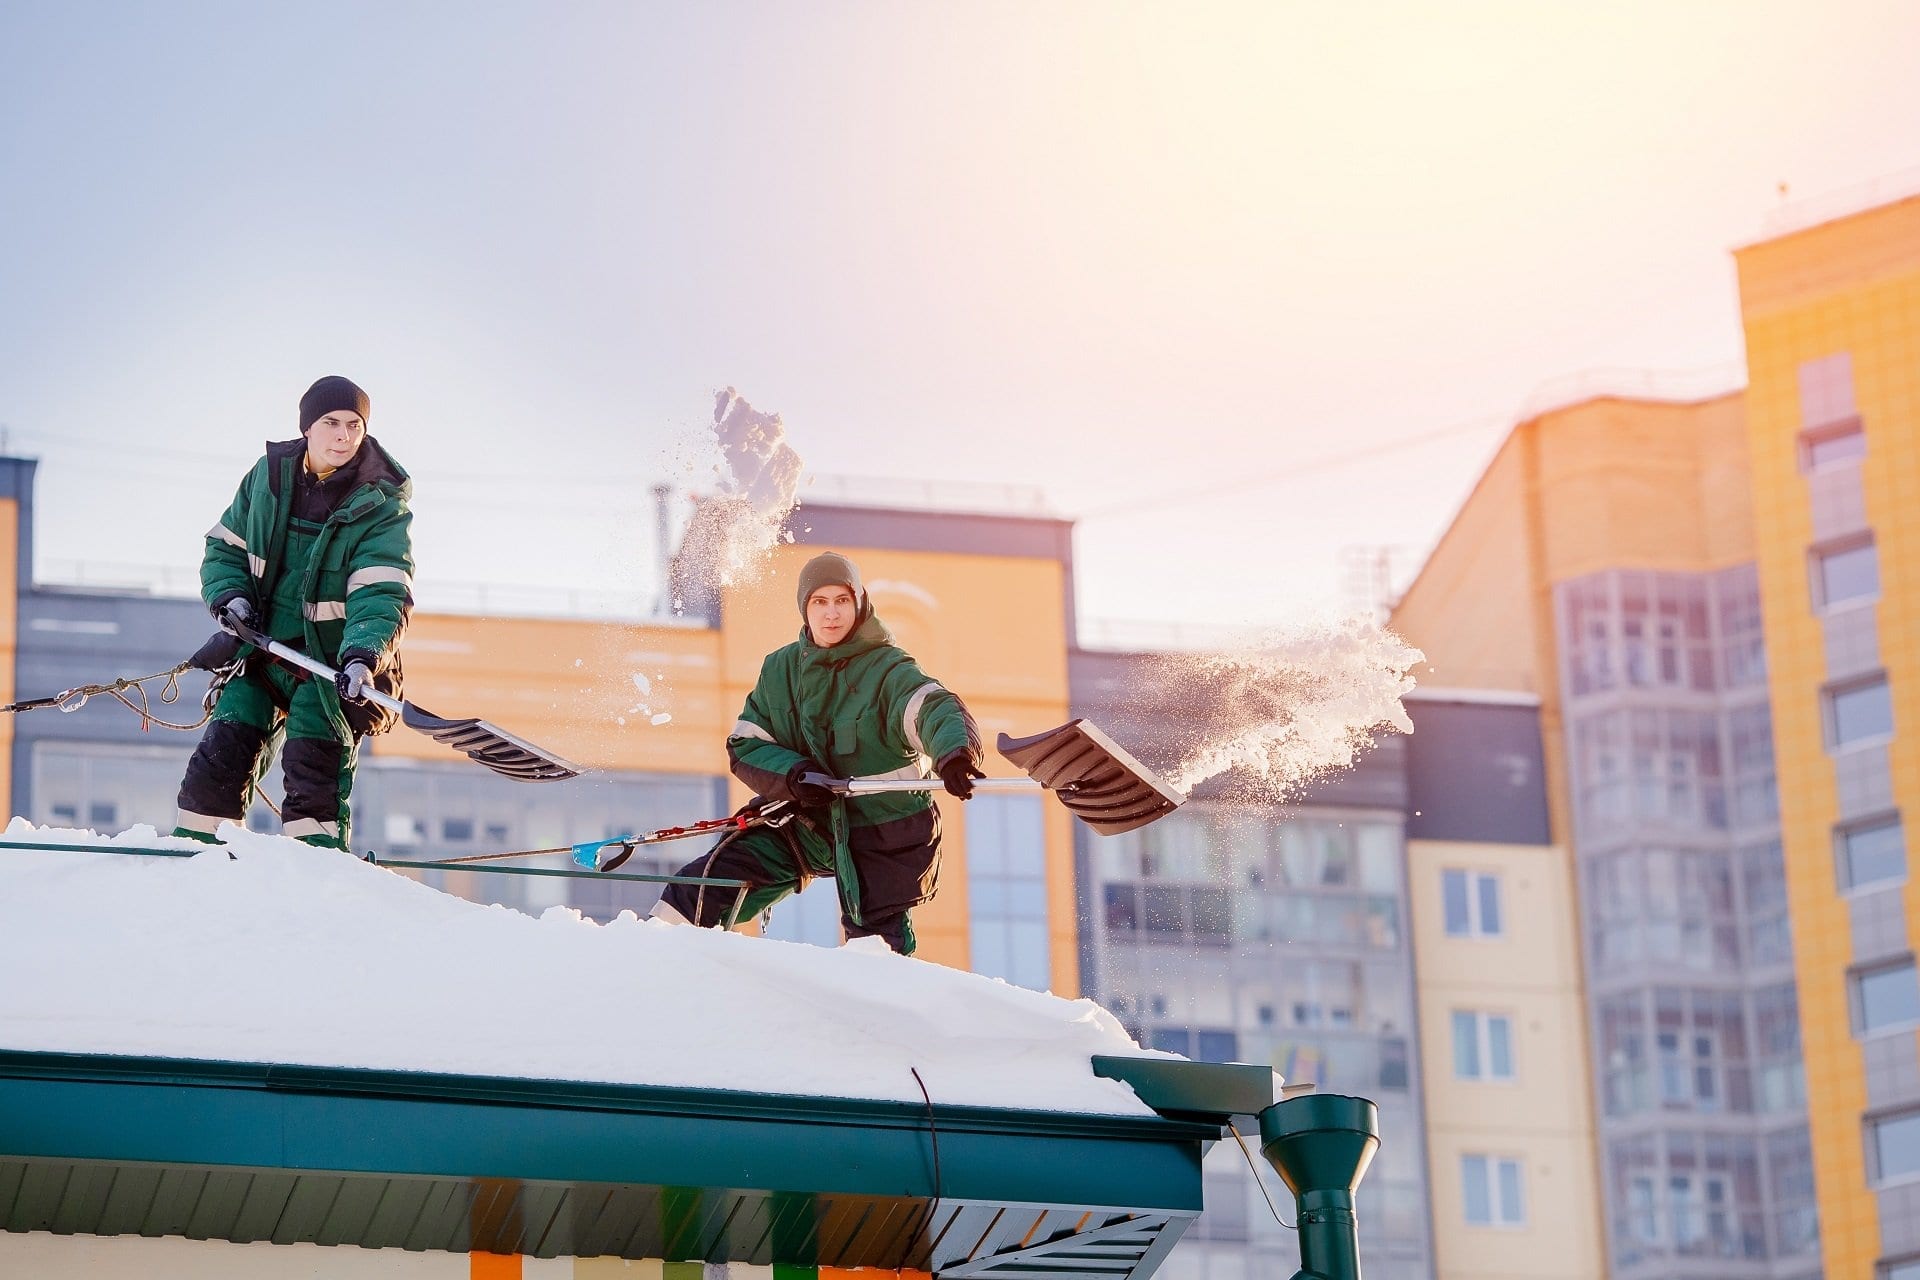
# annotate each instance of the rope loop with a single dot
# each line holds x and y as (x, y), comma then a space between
(71, 700)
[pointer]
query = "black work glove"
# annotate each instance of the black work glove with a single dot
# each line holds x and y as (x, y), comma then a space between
(219, 651)
(808, 795)
(958, 773)
(227, 612)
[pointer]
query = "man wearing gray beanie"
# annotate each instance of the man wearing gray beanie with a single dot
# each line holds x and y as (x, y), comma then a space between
(844, 701)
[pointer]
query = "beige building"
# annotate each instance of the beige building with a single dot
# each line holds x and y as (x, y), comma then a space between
(1510, 1134)
(1605, 566)
(1510, 1137)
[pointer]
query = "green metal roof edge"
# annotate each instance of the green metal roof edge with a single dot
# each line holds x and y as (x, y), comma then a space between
(1203, 1092)
(589, 1095)
(156, 1112)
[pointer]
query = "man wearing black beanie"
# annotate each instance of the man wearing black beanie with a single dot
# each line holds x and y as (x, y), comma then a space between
(316, 551)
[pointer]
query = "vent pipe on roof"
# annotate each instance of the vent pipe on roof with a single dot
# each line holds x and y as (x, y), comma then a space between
(1321, 1143)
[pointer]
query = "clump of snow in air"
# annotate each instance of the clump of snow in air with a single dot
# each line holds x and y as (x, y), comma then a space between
(661, 717)
(734, 531)
(285, 953)
(1290, 705)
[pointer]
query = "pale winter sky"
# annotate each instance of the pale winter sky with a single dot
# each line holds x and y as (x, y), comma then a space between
(1240, 284)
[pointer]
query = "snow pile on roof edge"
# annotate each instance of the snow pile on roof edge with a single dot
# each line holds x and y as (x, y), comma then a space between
(267, 950)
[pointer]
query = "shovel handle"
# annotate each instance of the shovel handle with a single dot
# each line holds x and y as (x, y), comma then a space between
(260, 640)
(877, 786)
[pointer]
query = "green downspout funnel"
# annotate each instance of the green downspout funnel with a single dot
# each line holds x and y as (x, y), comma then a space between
(1322, 1143)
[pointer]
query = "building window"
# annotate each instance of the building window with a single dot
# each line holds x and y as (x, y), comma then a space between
(1859, 713)
(1908, 1270)
(1845, 575)
(1491, 1187)
(811, 916)
(1885, 998)
(1872, 855)
(1702, 1212)
(1471, 900)
(1836, 445)
(1482, 1046)
(1201, 1044)
(1643, 1212)
(1826, 390)
(1895, 1143)
(1007, 889)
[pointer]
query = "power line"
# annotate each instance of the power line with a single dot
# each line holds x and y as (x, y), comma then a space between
(1312, 466)
(106, 450)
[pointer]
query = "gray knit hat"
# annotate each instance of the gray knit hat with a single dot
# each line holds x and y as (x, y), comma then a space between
(825, 570)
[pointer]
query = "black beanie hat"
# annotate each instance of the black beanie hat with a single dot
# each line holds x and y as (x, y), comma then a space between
(826, 569)
(331, 393)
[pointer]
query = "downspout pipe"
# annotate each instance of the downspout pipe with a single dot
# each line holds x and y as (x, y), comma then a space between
(1321, 1145)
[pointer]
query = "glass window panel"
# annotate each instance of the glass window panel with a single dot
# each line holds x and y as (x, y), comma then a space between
(1889, 998)
(812, 916)
(1170, 1040)
(1379, 854)
(987, 947)
(1476, 1191)
(1847, 446)
(1453, 893)
(1861, 713)
(1873, 854)
(1028, 899)
(1123, 908)
(1163, 909)
(1212, 912)
(1499, 1047)
(1466, 1046)
(1383, 922)
(1216, 1046)
(1849, 574)
(1896, 1144)
(1028, 962)
(988, 897)
(1490, 906)
(1512, 1211)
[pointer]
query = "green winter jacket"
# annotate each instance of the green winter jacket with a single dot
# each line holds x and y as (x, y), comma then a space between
(356, 586)
(861, 709)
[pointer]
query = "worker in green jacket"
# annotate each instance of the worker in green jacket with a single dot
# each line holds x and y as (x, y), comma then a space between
(842, 701)
(315, 551)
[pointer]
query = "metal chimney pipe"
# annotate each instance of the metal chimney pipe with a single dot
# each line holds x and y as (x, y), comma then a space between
(1321, 1144)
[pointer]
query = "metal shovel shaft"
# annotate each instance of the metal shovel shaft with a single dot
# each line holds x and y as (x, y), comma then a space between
(486, 744)
(319, 668)
(874, 786)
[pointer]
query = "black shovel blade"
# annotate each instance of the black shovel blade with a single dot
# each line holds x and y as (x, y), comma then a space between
(1096, 778)
(491, 746)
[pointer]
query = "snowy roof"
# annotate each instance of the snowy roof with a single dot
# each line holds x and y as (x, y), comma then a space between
(268, 950)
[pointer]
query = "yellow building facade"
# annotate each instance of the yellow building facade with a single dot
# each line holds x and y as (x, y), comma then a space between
(571, 686)
(1832, 321)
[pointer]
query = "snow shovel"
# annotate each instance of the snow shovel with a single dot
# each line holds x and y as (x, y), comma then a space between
(1098, 781)
(484, 743)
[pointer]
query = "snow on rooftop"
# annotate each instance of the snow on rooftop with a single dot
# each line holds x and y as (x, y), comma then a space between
(285, 953)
